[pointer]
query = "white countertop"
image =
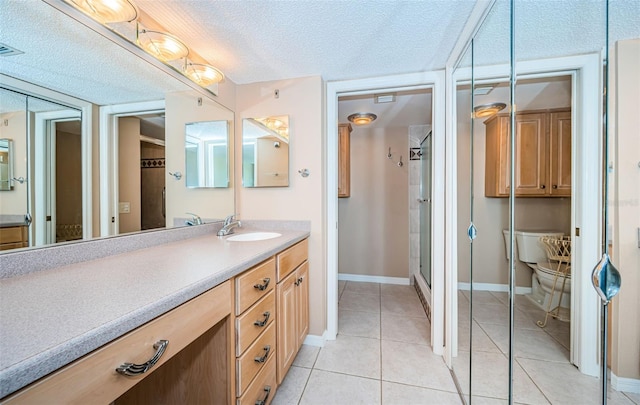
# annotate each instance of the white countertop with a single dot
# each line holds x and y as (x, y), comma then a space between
(52, 317)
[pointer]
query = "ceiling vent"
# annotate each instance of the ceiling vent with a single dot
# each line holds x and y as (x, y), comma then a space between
(384, 98)
(482, 91)
(6, 50)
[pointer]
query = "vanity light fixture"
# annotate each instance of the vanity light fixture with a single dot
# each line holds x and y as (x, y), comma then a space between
(487, 110)
(163, 46)
(362, 118)
(204, 75)
(108, 11)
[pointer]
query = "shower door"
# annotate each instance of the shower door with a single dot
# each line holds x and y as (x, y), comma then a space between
(425, 208)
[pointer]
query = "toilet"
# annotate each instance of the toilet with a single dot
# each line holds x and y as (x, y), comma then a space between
(529, 250)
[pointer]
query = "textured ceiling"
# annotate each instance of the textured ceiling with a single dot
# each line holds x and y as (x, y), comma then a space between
(254, 41)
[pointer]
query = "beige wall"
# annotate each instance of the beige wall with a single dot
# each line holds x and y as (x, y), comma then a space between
(374, 222)
(491, 216)
(208, 203)
(129, 172)
(68, 178)
(625, 208)
(301, 99)
(14, 202)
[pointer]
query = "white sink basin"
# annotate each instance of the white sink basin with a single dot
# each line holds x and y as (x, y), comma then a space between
(253, 236)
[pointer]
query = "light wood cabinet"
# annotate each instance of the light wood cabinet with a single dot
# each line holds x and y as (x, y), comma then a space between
(344, 160)
(293, 304)
(255, 334)
(194, 367)
(543, 155)
(13, 237)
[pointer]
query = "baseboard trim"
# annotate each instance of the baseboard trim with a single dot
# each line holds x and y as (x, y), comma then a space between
(492, 287)
(315, 340)
(625, 384)
(373, 279)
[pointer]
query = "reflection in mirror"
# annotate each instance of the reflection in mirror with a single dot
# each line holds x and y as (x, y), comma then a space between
(6, 164)
(207, 154)
(265, 152)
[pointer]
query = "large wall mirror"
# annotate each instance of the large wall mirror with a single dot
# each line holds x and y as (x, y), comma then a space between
(93, 106)
(265, 151)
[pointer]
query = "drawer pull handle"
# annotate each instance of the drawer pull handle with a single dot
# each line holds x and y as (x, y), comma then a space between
(131, 369)
(264, 321)
(262, 359)
(555, 186)
(298, 281)
(264, 286)
(263, 401)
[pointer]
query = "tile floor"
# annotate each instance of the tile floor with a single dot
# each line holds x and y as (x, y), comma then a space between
(381, 356)
(543, 374)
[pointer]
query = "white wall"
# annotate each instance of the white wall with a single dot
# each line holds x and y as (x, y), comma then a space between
(373, 223)
(301, 99)
(14, 202)
(129, 173)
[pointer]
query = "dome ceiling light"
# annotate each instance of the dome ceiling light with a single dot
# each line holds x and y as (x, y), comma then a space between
(362, 118)
(163, 46)
(108, 11)
(487, 110)
(204, 75)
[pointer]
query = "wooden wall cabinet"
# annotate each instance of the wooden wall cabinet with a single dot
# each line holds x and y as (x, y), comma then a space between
(344, 160)
(13, 237)
(194, 368)
(293, 304)
(543, 155)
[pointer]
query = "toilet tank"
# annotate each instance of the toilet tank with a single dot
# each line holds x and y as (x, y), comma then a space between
(530, 249)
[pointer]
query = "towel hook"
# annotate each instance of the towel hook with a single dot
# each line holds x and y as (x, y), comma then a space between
(389, 156)
(400, 164)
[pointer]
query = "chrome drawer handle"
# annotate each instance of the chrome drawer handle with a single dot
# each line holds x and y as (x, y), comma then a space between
(263, 401)
(264, 321)
(264, 286)
(262, 359)
(131, 369)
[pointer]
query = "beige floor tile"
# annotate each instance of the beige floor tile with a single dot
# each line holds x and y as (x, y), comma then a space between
(307, 356)
(400, 394)
(499, 314)
(404, 306)
(413, 364)
(351, 355)
(406, 329)
(482, 297)
(397, 290)
(481, 341)
(292, 386)
(477, 400)
(363, 288)
(357, 323)
(564, 384)
(359, 302)
(325, 388)
(462, 297)
(341, 285)
(491, 376)
(635, 398)
(528, 343)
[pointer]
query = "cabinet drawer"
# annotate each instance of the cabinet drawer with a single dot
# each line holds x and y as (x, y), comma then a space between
(246, 328)
(13, 234)
(247, 366)
(93, 379)
(249, 284)
(263, 388)
(292, 258)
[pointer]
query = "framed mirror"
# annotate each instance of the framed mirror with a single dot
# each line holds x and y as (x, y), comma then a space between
(206, 148)
(6, 164)
(265, 151)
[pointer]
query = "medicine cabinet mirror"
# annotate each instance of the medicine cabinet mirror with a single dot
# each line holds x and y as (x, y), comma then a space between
(6, 164)
(207, 154)
(265, 151)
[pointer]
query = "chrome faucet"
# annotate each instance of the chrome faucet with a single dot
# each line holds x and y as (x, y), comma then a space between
(195, 220)
(229, 225)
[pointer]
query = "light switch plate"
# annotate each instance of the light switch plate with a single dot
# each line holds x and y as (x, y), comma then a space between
(124, 208)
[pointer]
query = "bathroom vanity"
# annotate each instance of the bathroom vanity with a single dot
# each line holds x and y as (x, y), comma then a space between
(195, 320)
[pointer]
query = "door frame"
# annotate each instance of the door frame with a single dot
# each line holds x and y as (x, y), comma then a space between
(586, 211)
(109, 196)
(335, 89)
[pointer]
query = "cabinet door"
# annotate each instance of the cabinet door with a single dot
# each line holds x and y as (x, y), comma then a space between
(303, 303)
(344, 160)
(531, 155)
(286, 320)
(560, 153)
(496, 182)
